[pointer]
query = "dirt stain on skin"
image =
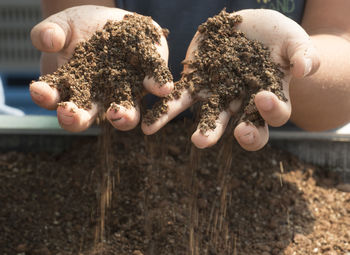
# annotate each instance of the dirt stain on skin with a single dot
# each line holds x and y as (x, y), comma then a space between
(110, 67)
(109, 70)
(230, 67)
(152, 198)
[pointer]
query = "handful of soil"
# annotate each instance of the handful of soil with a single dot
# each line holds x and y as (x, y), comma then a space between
(110, 67)
(230, 67)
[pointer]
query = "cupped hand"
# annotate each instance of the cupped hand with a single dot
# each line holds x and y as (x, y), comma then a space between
(57, 36)
(290, 47)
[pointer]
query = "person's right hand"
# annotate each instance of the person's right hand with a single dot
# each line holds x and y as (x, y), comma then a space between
(57, 37)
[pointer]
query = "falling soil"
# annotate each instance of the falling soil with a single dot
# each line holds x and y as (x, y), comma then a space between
(107, 180)
(229, 66)
(265, 202)
(109, 70)
(158, 194)
(111, 66)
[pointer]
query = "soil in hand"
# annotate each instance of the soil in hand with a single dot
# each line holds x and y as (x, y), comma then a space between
(109, 70)
(110, 67)
(265, 202)
(230, 67)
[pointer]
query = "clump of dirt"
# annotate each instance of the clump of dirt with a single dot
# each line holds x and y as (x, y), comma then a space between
(265, 202)
(230, 67)
(110, 67)
(109, 70)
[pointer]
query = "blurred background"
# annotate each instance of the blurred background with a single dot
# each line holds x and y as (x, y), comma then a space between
(19, 60)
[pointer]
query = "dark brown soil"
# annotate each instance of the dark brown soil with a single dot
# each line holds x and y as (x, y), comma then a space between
(264, 202)
(111, 66)
(158, 195)
(230, 67)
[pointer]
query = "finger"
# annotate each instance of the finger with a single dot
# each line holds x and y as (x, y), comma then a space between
(74, 119)
(303, 57)
(211, 136)
(251, 138)
(157, 89)
(175, 107)
(49, 36)
(203, 140)
(274, 111)
(162, 47)
(44, 95)
(123, 118)
(149, 82)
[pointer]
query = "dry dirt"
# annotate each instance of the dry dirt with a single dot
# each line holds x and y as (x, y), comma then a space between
(159, 195)
(170, 198)
(110, 67)
(228, 66)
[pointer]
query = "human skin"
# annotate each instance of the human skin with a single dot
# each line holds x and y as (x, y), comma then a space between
(322, 101)
(318, 94)
(290, 47)
(56, 36)
(318, 100)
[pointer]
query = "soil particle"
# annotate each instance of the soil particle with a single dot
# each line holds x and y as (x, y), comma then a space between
(162, 206)
(164, 201)
(230, 67)
(110, 67)
(301, 239)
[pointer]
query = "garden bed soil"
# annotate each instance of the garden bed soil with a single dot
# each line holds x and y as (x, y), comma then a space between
(130, 194)
(170, 198)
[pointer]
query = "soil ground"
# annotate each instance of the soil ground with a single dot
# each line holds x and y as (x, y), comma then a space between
(170, 198)
(167, 196)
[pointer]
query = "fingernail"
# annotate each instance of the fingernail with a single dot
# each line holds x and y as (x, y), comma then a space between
(248, 138)
(266, 104)
(66, 119)
(308, 66)
(36, 96)
(47, 38)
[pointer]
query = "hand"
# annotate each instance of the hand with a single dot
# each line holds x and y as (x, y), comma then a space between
(290, 47)
(57, 36)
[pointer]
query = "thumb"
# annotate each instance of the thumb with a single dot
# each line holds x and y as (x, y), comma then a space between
(49, 36)
(304, 58)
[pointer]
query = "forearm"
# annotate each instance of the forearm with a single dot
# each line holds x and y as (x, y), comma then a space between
(50, 7)
(322, 101)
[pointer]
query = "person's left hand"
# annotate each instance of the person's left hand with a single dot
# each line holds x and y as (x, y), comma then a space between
(290, 47)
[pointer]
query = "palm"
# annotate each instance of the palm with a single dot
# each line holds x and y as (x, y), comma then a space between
(87, 20)
(271, 33)
(68, 28)
(289, 45)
